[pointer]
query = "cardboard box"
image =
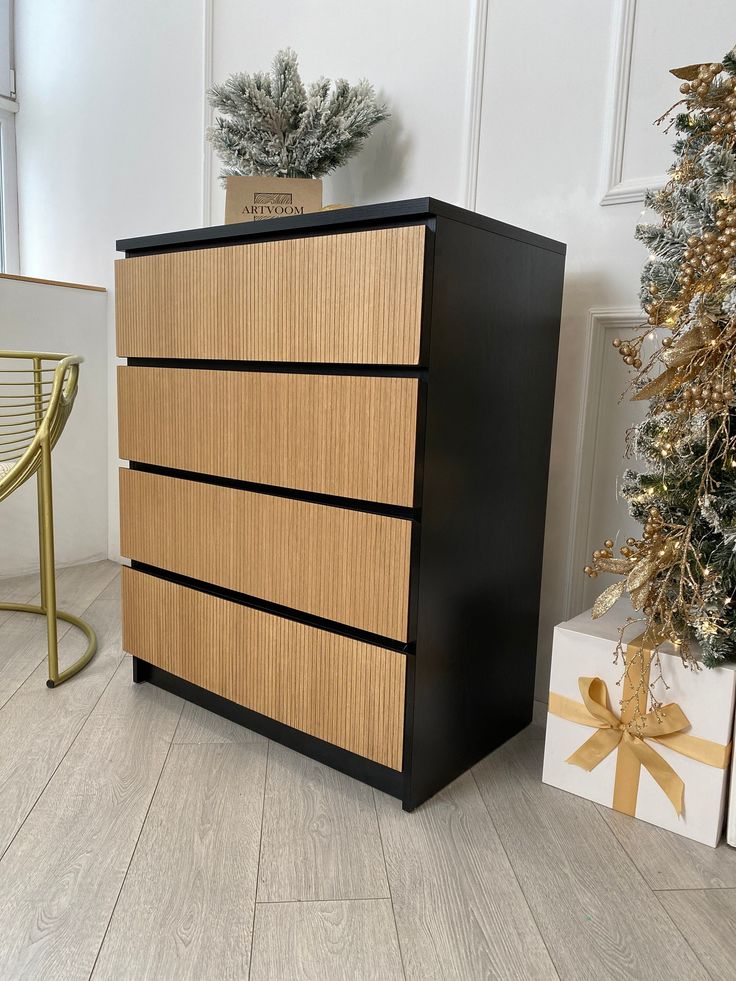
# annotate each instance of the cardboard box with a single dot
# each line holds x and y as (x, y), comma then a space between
(259, 198)
(698, 704)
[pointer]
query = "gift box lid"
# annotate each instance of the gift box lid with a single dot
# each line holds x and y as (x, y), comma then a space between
(578, 639)
(608, 626)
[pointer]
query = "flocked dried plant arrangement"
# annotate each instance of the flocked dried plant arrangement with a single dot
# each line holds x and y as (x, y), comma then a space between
(269, 123)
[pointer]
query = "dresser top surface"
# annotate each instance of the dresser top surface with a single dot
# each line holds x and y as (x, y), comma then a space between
(342, 219)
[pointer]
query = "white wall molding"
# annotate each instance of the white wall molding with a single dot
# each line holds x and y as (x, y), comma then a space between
(616, 189)
(603, 324)
(208, 18)
(477, 33)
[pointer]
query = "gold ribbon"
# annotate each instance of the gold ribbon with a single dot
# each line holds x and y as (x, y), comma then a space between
(662, 726)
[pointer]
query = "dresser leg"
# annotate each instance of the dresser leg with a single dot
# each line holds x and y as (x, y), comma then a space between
(140, 670)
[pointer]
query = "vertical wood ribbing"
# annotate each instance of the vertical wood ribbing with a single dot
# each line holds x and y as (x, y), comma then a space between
(346, 692)
(348, 566)
(352, 298)
(331, 434)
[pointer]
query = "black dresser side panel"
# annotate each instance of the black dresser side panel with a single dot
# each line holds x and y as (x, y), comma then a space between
(493, 355)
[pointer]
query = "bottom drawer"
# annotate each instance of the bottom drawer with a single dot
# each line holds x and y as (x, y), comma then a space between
(349, 693)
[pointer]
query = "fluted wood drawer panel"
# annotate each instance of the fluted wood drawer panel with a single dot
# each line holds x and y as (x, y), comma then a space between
(346, 692)
(333, 434)
(337, 563)
(333, 298)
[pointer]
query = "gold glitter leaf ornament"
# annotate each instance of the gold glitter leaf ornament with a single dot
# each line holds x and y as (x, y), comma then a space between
(688, 72)
(666, 382)
(642, 572)
(607, 598)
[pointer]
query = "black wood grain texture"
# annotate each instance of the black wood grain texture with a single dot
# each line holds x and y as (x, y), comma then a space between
(492, 364)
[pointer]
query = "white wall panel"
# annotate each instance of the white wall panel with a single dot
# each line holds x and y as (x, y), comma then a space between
(599, 511)
(414, 52)
(650, 39)
(38, 317)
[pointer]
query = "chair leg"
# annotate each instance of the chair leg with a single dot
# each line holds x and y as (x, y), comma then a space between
(48, 606)
(47, 561)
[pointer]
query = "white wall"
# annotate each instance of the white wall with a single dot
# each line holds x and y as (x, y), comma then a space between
(549, 136)
(109, 139)
(38, 317)
(110, 142)
(415, 53)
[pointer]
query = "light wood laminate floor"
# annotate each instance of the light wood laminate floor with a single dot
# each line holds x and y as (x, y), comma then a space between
(143, 838)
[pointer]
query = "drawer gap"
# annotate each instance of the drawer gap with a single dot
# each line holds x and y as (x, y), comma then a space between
(256, 603)
(285, 367)
(351, 504)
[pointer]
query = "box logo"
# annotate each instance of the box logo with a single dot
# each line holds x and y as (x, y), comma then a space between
(272, 197)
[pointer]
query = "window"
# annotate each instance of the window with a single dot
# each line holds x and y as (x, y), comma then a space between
(8, 179)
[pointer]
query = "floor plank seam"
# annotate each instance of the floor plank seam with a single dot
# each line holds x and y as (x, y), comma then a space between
(173, 738)
(717, 889)
(258, 864)
(652, 891)
(304, 902)
(687, 942)
(388, 882)
(135, 847)
(61, 760)
(516, 877)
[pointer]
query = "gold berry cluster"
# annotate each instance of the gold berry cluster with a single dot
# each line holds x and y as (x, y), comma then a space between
(711, 254)
(653, 525)
(600, 553)
(699, 86)
(715, 396)
(720, 102)
(631, 552)
(629, 351)
(659, 309)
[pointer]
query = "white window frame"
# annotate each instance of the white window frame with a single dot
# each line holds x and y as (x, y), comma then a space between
(10, 252)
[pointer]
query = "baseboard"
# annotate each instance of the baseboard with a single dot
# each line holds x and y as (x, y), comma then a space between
(539, 714)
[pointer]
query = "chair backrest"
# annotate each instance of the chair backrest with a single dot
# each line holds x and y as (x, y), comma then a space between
(37, 392)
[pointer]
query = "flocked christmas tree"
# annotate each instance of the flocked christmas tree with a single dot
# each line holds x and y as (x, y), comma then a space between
(271, 124)
(681, 572)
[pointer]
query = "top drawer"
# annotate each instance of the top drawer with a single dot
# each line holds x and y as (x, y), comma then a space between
(353, 298)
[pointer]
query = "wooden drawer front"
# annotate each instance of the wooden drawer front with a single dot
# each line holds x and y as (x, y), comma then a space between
(333, 434)
(346, 692)
(333, 298)
(344, 565)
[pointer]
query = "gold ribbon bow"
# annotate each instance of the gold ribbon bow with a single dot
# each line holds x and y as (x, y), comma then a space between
(663, 726)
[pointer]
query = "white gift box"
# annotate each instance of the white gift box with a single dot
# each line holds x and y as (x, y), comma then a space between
(584, 647)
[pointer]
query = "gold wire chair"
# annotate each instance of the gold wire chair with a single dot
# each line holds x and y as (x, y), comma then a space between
(37, 393)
